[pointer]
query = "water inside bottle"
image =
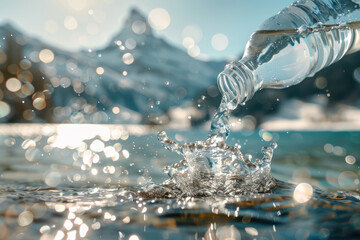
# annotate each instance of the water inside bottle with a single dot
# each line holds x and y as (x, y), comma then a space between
(285, 57)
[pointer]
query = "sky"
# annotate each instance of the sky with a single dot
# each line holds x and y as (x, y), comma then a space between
(207, 28)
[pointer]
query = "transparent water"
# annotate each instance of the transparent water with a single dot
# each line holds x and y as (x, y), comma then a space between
(281, 58)
(49, 190)
(213, 168)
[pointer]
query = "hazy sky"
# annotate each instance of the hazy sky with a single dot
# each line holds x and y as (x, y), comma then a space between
(75, 24)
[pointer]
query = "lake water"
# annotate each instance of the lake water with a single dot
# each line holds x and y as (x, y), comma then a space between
(103, 182)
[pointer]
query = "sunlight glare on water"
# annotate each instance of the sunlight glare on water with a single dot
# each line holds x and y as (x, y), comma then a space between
(83, 193)
(303, 192)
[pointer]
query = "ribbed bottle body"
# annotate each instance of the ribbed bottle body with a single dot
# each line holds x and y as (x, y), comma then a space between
(296, 43)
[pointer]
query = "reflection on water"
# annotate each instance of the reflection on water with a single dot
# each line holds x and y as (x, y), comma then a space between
(103, 181)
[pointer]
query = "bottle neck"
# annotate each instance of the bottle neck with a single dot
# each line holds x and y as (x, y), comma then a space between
(237, 83)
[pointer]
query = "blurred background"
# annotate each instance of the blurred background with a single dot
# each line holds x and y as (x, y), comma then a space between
(152, 63)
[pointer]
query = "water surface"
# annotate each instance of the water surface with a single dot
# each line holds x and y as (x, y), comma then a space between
(104, 182)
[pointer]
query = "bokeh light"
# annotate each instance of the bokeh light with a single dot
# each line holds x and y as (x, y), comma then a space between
(46, 56)
(100, 70)
(128, 58)
(59, 208)
(125, 154)
(159, 19)
(97, 146)
(139, 27)
(44, 229)
(52, 179)
(70, 23)
(83, 230)
(267, 136)
(32, 154)
(249, 123)
(130, 43)
(251, 231)
(25, 218)
(116, 110)
(134, 237)
(59, 235)
(194, 51)
(349, 159)
(346, 179)
(39, 103)
(303, 192)
(219, 41)
(4, 109)
(13, 84)
(188, 42)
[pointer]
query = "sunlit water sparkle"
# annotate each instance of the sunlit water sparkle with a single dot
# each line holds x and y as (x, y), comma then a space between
(48, 191)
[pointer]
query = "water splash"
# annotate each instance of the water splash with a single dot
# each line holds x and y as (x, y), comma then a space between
(212, 167)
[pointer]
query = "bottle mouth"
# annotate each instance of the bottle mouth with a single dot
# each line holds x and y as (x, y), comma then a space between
(229, 87)
(236, 82)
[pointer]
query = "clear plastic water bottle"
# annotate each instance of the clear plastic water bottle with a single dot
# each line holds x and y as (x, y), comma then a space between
(296, 43)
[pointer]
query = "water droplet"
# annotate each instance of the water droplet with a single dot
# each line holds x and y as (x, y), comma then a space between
(273, 145)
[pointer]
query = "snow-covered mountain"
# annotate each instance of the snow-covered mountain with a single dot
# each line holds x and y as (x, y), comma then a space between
(138, 73)
(157, 75)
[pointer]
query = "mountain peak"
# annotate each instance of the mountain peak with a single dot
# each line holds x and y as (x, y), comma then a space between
(137, 22)
(135, 27)
(136, 15)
